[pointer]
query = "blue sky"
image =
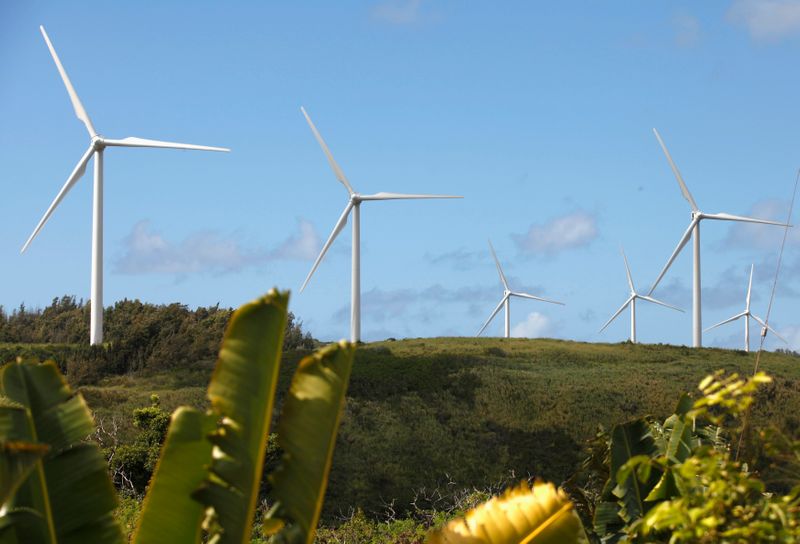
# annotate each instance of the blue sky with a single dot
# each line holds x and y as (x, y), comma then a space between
(540, 115)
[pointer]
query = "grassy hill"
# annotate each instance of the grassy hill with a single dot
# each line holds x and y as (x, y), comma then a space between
(464, 412)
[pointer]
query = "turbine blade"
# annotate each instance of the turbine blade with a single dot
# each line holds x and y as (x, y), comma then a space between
(734, 318)
(684, 239)
(336, 170)
(73, 178)
(770, 329)
(402, 196)
(684, 189)
(656, 301)
(336, 230)
(132, 141)
(613, 317)
(749, 288)
(627, 270)
(494, 313)
(533, 297)
(499, 268)
(731, 217)
(80, 111)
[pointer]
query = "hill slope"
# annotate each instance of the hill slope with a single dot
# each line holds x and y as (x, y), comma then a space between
(470, 412)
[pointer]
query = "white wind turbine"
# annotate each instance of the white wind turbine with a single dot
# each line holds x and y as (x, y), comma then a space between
(632, 302)
(97, 145)
(694, 229)
(748, 315)
(506, 300)
(354, 205)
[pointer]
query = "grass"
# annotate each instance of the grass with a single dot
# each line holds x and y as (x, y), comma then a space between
(461, 412)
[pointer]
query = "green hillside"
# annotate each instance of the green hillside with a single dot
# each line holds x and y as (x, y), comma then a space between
(462, 412)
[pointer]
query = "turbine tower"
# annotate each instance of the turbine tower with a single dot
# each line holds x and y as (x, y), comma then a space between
(506, 300)
(694, 231)
(748, 315)
(632, 302)
(97, 145)
(353, 205)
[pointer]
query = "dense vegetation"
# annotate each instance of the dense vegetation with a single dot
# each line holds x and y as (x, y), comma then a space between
(431, 427)
(139, 336)
(428, 421)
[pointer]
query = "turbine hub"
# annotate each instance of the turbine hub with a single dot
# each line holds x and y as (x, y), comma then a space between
(97, 142)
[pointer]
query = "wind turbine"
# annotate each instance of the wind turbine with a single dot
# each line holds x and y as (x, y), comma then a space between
(97, 145)
(747, 315)
(353, 205)
(694, 230)
(506, 300)
(632, 302)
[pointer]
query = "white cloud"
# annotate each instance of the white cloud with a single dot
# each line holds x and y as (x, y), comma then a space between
(459, 259)
(762, 237)
(302, 246)
(148, 252)
(574, 230)
(398, 12)
(534, 326)
(687, 30)
(767, 20)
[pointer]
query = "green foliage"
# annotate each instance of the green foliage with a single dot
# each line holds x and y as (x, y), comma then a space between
(138, 336)
(423, 412)
(132, 465)
(67, 496)
(191, 484)
(307, 432)
(693, 489)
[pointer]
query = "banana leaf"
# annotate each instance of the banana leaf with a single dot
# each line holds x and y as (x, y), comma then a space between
(538, 515)
(242, 394)
(17, 460)
(168, 514)
(69, 488)
(630, 440)
(307, 432)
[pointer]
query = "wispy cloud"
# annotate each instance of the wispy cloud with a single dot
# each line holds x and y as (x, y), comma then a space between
(146, 251)
(398, 12)
(687, 30)
(460, 259)
(767, 20)
(385, 304)
(301, 246)
(753, 236)
(149, 252)
(570, 231)
(534, 326)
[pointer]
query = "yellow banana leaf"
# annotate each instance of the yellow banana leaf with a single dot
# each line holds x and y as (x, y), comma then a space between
(540, 514)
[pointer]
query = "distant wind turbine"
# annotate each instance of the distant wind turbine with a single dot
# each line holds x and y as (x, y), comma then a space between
(747, 315)
(506, 300)
(694, 229)
(96, 147)
(354, 205)
(632, 302)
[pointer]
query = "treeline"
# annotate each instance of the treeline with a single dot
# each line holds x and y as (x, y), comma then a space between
(137, 336)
